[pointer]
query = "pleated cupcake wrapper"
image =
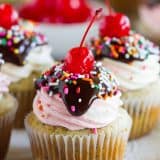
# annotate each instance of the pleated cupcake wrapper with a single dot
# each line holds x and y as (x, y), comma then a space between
(25, 100)
(145, 112)
(104, 146)
(6, 123)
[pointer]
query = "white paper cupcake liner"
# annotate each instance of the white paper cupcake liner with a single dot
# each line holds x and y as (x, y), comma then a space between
(109, 144)
(6, 123)
(144, 108)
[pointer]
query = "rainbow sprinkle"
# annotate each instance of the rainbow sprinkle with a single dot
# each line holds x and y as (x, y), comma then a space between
(76, 90)
(16, 43)
(126, 49)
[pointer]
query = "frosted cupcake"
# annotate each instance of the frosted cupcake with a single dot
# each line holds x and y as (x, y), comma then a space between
(134, 60)
(26, 53)
(77, 116)
(76, 112)
(8, 107)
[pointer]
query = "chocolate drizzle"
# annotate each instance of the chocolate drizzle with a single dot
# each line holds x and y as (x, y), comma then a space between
(78, 92)
(79, 100)
(125, 49)
(16, 43)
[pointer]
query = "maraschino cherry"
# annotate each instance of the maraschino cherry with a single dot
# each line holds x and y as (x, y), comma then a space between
(8, 16)
(114, 24)
(72, 11)
(56, 11)
(39, 10)
(79, 60)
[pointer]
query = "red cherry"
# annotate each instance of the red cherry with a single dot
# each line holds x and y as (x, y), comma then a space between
(39, 10)
(72, 11)
(8, 16)
(79, 60)
(115, 25)
(63, 11)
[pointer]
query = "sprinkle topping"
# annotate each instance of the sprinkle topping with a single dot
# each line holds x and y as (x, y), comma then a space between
(78, 91)
(15, 43)
(126, 49)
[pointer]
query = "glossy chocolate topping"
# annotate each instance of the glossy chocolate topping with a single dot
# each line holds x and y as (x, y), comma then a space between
(125, 49)
(16, 43)
(78, 91)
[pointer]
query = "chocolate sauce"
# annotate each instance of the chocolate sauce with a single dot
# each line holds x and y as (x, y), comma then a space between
(15, 44)
(106, 53)
(82, 100)
(78, 92)
(124, 49)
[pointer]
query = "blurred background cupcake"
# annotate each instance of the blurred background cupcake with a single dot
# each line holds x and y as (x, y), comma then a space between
(62, 21)
(143, 13)
(64, 120)
(135, 62)
(26, 53)
(8, 107)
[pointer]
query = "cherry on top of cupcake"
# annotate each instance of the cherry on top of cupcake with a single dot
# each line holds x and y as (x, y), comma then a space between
(80, 57)
(117, 41)
(114, 24)
(57, 11)
(79, 80)
(8, 16)
(15, 40)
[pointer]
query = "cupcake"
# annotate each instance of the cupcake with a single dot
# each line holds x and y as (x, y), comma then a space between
(76, 112)
(26, 53)
(134, 61)
(60, 18)
(8, 107)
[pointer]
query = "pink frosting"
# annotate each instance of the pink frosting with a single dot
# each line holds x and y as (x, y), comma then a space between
(4, 83)
(52, 111)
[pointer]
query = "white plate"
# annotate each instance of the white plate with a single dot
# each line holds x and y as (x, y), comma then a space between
(146, 148)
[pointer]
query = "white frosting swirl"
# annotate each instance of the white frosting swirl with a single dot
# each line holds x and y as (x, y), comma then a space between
(135, 75)
(38, 59)
(52, 111)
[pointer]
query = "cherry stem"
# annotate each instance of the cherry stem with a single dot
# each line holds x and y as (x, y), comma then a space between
(89, 26)
(108, 4)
